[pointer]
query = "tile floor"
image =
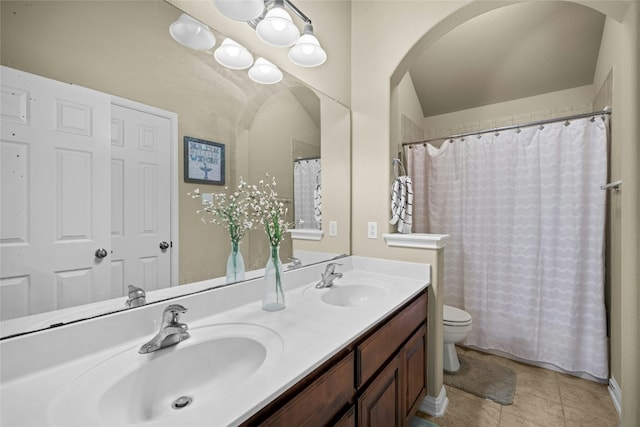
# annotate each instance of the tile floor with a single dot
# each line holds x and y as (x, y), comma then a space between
(543, 398)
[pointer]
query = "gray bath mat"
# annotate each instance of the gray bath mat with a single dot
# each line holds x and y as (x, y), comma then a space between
(420, 422)
(484, 378)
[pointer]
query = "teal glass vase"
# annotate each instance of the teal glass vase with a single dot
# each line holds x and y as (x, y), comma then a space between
(273, 293)
(235, 264)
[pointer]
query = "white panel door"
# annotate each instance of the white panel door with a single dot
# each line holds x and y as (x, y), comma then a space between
(141, 200)
(54, 152)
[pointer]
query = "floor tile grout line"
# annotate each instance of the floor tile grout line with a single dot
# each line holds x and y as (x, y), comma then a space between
(564, 414)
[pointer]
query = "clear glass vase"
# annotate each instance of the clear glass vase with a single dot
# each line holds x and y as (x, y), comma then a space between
(235, 264)
(273, 296)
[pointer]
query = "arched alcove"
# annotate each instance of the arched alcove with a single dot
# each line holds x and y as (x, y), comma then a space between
(625, 107)
(614, 10)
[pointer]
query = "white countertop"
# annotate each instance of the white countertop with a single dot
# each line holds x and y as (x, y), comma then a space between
(36, 368)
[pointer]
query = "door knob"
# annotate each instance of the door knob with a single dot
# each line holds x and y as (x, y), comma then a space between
(164, 245)
(101, 253)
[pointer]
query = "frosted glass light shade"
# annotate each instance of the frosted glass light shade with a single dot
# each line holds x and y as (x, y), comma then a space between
(277, 29)
(233, 55)
(307, 52)
(192, 33)
(264, 72)
(240, 10)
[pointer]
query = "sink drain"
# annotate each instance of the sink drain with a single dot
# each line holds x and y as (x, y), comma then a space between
(182, 402)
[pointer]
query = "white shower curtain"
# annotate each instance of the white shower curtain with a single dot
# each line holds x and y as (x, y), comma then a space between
(525, 258)
(307, 193)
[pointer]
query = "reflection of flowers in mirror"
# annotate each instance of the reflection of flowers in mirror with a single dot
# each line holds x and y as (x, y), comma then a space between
(269, 210)
(229, 210)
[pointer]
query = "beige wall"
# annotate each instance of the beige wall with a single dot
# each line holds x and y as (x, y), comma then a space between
(619, 57)
(280, 120)
(407, 119)
(542, 107)
(336, 178)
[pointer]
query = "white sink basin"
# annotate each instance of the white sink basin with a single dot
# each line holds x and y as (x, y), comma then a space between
(170, 384)
(351, 295)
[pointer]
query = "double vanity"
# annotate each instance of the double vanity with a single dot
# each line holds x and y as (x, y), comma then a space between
(349, 353)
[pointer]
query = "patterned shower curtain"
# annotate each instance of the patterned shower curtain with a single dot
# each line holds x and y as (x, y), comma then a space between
(307, 192)
(526, 217)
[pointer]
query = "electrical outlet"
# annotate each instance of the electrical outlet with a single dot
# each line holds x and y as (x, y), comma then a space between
(333, 228)
(372, 230)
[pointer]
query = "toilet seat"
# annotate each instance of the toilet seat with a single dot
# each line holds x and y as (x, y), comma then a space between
(455, 317)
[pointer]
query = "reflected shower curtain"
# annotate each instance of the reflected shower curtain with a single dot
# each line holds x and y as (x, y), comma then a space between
(307, 194)
(525, 258)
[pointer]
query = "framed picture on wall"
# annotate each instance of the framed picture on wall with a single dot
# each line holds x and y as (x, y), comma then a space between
(203, 161)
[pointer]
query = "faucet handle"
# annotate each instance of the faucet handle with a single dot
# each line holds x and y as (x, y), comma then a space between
(174, 310)
(331, 267)
(296, 262)
(137, 297)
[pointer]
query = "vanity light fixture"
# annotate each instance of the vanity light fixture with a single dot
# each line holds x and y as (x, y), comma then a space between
(264, 72)
(277, 28)
(192, 33)
(240, 10)
(307, 51)
(274, 26)
(233, 55)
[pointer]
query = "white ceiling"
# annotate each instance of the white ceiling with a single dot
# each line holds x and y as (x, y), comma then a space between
(513, 52)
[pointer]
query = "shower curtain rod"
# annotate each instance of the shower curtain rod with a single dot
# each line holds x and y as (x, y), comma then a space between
(302, 159)
(500, 129)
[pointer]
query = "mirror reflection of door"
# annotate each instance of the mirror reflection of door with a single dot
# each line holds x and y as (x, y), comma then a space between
(140, 200)
(58, 242)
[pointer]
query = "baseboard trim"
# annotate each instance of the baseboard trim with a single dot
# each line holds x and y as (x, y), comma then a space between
(616, 395)
(435, 406)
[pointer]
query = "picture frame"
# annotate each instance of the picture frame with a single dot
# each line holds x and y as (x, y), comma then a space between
(203, 161)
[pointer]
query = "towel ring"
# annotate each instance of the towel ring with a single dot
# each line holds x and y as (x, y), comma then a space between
(397, 164)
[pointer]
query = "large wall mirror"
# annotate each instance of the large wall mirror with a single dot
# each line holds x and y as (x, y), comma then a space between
(124, 50)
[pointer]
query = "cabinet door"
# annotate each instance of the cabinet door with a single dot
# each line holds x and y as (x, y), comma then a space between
(380, 346)
(381, 404)
(414, 362)
(348, 419)
(321, 401)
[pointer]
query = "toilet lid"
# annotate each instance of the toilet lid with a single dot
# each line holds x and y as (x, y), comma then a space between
(455, 315)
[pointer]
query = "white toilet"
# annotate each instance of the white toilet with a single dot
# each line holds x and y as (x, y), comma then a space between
(457, 325)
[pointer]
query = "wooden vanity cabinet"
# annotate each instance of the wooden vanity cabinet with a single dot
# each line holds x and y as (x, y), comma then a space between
(348, 419)
(380, 404)
(377, 380)
(317, 402)
(390, 390)
(414, 360)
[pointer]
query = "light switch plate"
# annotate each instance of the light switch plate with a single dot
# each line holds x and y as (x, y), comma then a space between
(206, 198)
(372, 230)
(333, 228)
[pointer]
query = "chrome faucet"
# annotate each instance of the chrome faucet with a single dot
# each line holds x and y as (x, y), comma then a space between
(171, 331)
(296, 262)
(329, 276)
(137, 297)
